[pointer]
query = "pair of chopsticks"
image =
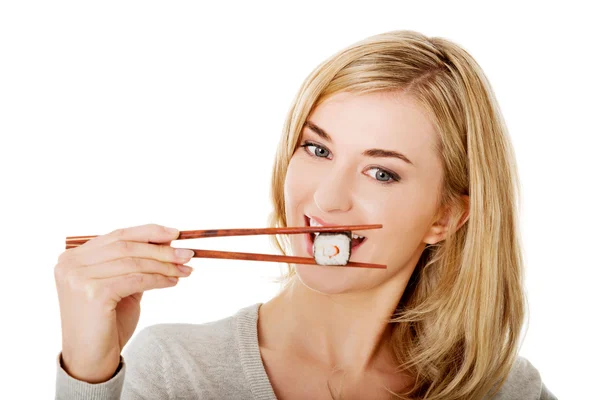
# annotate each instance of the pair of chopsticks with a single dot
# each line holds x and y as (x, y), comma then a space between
(75, 241)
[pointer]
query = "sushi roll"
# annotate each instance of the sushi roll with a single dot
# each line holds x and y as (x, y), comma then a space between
(332, 248)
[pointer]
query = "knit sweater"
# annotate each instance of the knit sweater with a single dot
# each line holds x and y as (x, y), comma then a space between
(220, 360)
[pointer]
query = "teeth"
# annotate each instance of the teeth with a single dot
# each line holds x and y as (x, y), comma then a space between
(312, 222)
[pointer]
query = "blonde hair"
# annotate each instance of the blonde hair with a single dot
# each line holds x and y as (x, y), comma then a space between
(457, 327)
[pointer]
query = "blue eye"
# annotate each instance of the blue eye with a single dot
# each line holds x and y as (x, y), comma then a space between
(381, 175)
(317, 150)
(384, 176)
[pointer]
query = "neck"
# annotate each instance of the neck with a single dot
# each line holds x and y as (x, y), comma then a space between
(347, 331)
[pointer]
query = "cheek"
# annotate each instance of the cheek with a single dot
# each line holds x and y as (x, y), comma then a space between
(290, 185)
(405, 215)
(294, 192)
(296, 188)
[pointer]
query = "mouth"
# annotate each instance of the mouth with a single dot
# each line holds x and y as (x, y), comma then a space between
(357, 240)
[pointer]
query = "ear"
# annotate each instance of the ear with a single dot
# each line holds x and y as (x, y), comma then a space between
(439, 229)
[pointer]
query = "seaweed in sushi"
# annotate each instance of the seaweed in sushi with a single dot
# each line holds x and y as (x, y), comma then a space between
(332, 248)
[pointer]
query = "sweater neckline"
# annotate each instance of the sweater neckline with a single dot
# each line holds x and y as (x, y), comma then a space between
(246, 332)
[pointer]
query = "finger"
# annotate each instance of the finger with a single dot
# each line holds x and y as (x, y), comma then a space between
(149, 233)
(123, 249)
(131, 265)
(120, 287)
(124, 286)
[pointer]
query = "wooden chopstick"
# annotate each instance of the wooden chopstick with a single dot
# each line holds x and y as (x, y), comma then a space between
(76, 241)
(197, 234)
(267, 257)
(275, 258)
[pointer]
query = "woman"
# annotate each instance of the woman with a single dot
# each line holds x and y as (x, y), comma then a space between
(398, 129)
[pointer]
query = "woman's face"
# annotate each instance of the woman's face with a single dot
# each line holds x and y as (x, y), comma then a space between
(365, 159)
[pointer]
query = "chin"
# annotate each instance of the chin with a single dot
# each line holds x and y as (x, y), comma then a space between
(330, 279)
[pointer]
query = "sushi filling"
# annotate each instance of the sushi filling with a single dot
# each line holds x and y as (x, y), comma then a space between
(331, 248)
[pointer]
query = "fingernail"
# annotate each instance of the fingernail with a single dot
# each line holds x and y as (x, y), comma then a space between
(185, 269)
(184, 253)
(172, 231)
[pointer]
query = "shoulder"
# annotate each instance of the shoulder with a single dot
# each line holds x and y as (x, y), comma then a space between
(524, 382)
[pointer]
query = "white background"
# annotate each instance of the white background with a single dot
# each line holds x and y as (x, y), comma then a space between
(115, 114)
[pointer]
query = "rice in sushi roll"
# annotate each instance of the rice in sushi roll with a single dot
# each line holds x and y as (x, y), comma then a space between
(332, 248)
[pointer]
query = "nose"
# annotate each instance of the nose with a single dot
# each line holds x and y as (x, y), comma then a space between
(333, 193)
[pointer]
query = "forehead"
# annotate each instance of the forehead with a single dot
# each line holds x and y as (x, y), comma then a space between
(383, 120)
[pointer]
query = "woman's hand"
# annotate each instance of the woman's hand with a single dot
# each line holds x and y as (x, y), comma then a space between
(100, 285)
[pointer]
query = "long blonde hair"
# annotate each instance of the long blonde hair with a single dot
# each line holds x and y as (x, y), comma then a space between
(457, 327)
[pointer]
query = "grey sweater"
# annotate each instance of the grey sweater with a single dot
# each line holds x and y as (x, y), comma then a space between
(220, 360)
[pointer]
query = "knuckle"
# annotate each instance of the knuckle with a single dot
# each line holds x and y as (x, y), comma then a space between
(136, 264)
(65, 257)
(74, 281)
(118, 233)
(123, 247)
(62, 257)
(170, 269)
(60, 272)
(93, 290)
(167, 252)
(163, 230)
(136, 279)
(159, 252)
(152, 228)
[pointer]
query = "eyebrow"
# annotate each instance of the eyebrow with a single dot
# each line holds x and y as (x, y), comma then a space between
(369, 153)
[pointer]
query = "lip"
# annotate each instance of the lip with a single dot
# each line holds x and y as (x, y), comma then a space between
(309, 241)
(319, 220)
(307, 219)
